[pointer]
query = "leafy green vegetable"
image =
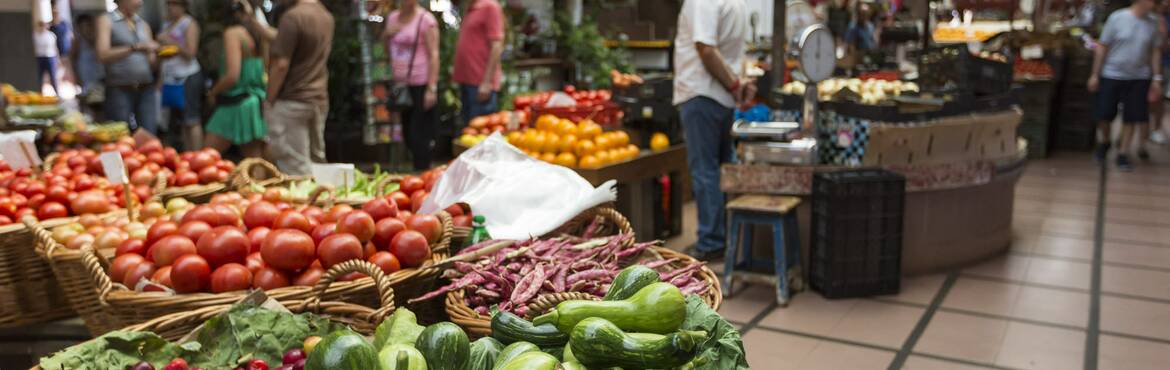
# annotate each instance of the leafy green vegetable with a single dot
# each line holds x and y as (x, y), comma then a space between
(723, 348)
(117, 350)
(249, 331)
(400, 328)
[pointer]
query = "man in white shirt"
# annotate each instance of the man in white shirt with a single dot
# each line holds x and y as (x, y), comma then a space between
(45, 45)
(708, 83)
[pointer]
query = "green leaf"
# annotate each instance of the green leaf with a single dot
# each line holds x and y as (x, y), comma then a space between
(115, 350)
(248, 331)
(723, 348)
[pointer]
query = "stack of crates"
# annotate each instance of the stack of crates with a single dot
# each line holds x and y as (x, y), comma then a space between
(857, 233)
(1075, 128)
(1035, 99)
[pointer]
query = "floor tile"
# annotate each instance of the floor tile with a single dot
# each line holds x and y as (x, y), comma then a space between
(747, 303)
(1041, 347)
(1146, 234)
(1060, 246)
(926, 363)
(1004, 267)
(1144, 255)
(1059, 273)
(1131, 354)
(990, 297)
(877, 323)
(836, 356)
(1137, 282)
(1052, 305)
(772, 350)
(918, 289)
(808, 312)
(1130, 316)
(963, 336)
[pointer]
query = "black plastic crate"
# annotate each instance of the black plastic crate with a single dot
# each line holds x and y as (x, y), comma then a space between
(856, 233)
(953, 68)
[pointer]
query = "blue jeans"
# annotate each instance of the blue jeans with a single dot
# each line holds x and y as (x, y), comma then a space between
(472, 107)
(142, 104)
(707, 126)
(47, 65)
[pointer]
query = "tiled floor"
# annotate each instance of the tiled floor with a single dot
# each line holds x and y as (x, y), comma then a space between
(1028, 309)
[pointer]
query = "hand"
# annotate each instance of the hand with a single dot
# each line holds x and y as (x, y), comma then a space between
(146, 46)
(745, 92)
(211, 99)
(245, 14)
(268, 103)
(485, 92)
(430, 98)
(1094, 83)
(1155, 93)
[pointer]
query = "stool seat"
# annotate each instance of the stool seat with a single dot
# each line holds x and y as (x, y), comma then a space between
(764, 203)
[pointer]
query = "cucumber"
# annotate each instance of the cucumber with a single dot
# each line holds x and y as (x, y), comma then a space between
(572, 365)
(658, 308)
(596, 342)
(512, 351)
(509, 328)
(567, 356)
(532, 361)
(558, 352)
(400, 328)
(629, 281)
(445, 346)
(484, 352)
(344, 350)
(401, 357)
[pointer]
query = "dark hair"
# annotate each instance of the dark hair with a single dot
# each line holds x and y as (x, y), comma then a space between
(83, 19)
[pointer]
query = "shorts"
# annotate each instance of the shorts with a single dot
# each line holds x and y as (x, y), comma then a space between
(189, 103)
(1129, 94)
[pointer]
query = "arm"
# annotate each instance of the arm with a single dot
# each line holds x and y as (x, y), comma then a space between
(489, 72)
(1155, 93)
(190, 47)
(1098, 59)
(151, 55)
(277, 71)
(267, 33)
(713, 63)
(105, 53)
(432, 44)
(231, 64)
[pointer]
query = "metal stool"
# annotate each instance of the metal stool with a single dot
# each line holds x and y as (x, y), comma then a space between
(780, 213)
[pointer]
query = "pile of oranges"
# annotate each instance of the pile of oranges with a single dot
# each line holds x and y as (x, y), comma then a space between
(15, 97)
(582, 144)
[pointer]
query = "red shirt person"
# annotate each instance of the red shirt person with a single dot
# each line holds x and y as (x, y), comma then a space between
(477, 58)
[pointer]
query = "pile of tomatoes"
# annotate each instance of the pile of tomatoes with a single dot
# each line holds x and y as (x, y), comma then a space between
(145, 162)
(584, 98)
(59, 192)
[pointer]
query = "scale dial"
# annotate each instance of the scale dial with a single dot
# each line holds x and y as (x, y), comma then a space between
(818, 53)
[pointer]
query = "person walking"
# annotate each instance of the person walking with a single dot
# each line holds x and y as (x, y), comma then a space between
(239, 93)
(298, 82)
(412, 37)
(86, 67)
(1158, 106)
(182, 77)
(45, 45)
(477, 59)
(1127, 71)
(125, 44)
(709, 54)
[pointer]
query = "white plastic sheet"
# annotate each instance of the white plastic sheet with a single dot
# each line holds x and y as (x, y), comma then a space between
(519, 196)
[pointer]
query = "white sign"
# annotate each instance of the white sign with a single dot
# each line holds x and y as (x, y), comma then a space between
(1032, 52)
(19, 149)
(337, 175)
(113, 166)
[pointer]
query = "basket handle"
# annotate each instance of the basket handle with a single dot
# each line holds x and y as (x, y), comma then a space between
(242, 174)
(381, 283)
(380, 187)
(545, 302)
(444, 243)
(320, 190)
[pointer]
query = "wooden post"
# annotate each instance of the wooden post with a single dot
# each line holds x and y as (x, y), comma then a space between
(779, 18)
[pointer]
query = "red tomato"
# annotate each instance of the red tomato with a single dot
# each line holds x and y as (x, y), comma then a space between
(323, 231)
(224, 245)
(358, 223)
(122, 264)
(56, 193)
(369, 249)
(194, 230)
(269, 278)
(314, 213)
(227, 215)
(162, 276)
(401, 199)
(411, 184)
(309, 277)
(166, 250)
(160, 230)
(256, 238)
(202, 160)
(386, 261)
(36, 200)
(380, 208)
(288, 249)
(416, 200)
(144, 269)
(273, 195)
(255, 262)
(411, 248)
(351, 276)
(428, 225)
(461, 221)
(190, 273)
(203, 213)
(230, 277)
(90, 201)
(291, 219)
(454, 210)
(385, 230)
(186, 178)
(208, 175)
(339, 248)
(131, 246)
(52, 210)
(336, 212)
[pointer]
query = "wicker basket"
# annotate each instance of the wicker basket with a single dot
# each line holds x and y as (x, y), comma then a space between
(105, 305)
(479, 325)
(29, 293)
(241, 180)
(361, 319)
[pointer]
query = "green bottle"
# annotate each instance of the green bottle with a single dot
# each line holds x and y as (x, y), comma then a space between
(478, 232)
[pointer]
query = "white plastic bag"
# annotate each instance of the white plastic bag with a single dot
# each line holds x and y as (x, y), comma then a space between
(519, 197)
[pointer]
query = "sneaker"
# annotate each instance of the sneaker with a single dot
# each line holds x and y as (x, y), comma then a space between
(705, 256)
(1123, 164)
(1143, 155)
(1101, 152)
(1157, 137)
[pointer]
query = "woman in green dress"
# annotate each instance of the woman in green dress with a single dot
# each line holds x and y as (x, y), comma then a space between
(238, 94)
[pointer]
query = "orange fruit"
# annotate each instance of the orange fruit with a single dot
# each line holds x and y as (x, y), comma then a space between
(567, 160)
(617, 155)
(546, 122)
(552, 143)
(603, 142)
(633, 150)
(548, 157)
(589, 162)
(621, 137)
(568, 143)
(537, 143)
(515, 137)
(659, 142)
(585, 148)
(603, 157)
(590, 131)
(567, 127)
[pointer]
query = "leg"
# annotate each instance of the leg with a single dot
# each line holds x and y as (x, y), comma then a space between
(1135, 117)
(317, 134)
(288, 123)
(192, 126)
(146, 110)
(254, 149)
(731, 254)
(1105, 110)
(467, 100)
(793, 241)
(781, 260)
(219, 143)
(118, 105)
(702, 127)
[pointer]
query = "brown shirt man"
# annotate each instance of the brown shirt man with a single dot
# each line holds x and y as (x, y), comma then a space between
(305, 36)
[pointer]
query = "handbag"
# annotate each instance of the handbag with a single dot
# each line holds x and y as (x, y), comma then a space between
(400, 99)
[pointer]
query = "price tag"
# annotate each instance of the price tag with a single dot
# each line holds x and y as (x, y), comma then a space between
(334, 174)
(114, 168)
(19, 149)
(1032, 52)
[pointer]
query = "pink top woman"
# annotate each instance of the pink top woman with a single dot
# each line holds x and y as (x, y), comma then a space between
(411, 39)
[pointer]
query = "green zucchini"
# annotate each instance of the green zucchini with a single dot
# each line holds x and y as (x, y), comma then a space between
(658, 308)
(342, 349)
(484, 352)
(532, 361)
(445, 346)
(512, 351)
(629, 281)
(558, 352)
(596, 342)
(567, 356)
(572, 365)
(400, 328)
(401, 357)
(509, 328)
